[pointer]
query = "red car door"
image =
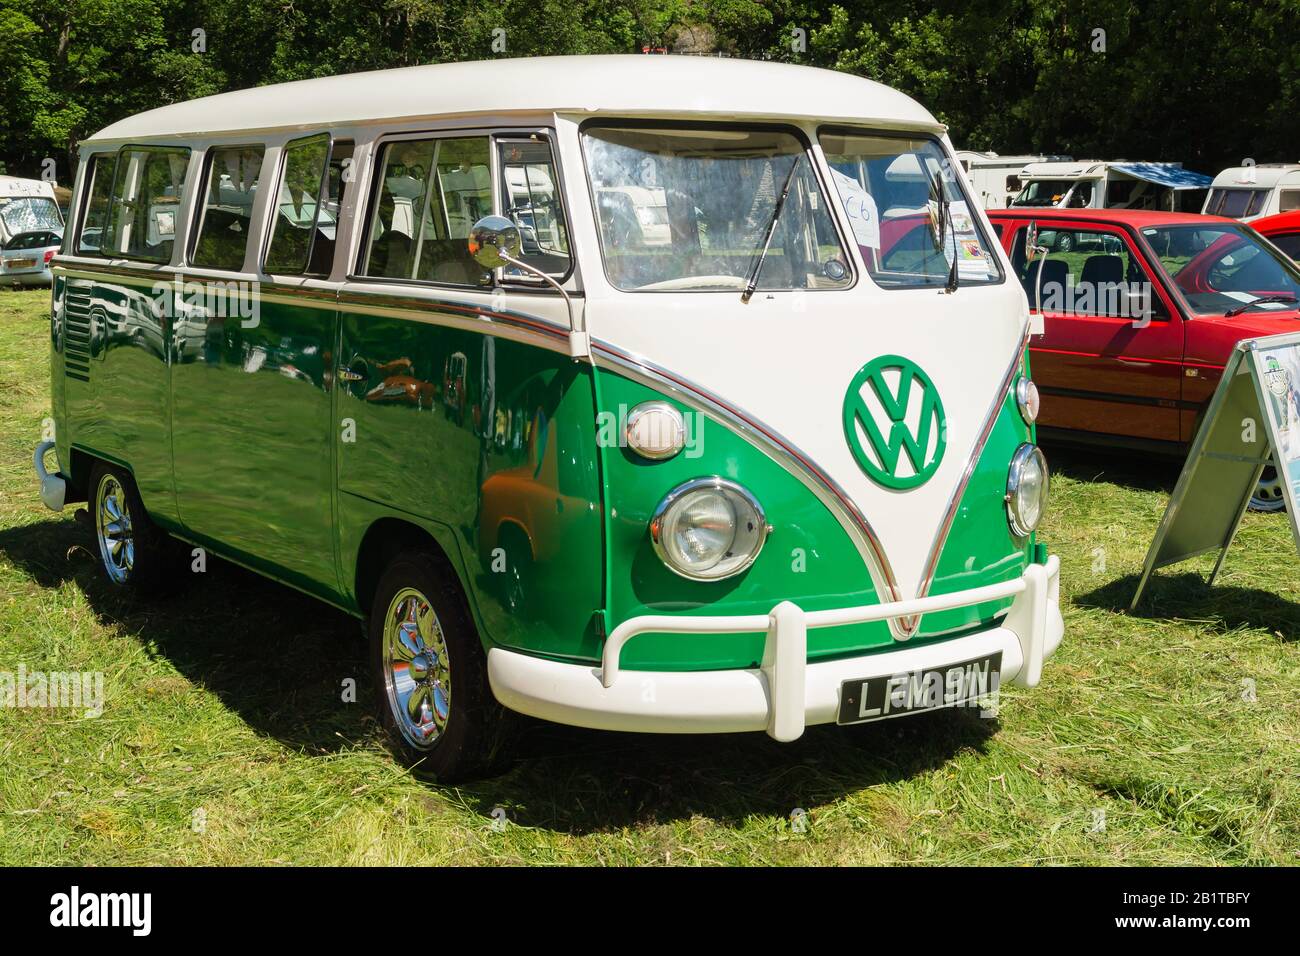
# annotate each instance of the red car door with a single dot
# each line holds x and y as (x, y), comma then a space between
(1101, 366)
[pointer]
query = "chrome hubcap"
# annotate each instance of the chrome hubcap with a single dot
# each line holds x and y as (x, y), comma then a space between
(416, 669)
(113, 530)
(1268, 495)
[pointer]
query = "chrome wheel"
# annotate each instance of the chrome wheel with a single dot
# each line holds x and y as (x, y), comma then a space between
(1268, 495)
(113, 529)
(417, 671)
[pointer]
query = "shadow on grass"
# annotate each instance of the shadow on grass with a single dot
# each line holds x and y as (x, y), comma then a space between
(1186, 597)
(1128, 468)
(278, 659)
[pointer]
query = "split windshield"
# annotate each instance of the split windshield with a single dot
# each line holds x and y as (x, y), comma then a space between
(1223, 268)
(700, 209)
(907, 229)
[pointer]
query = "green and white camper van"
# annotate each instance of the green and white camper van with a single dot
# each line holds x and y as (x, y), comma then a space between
(644, 393)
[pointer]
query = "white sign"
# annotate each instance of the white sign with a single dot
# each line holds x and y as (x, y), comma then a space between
(860, 207)
(1260, 386)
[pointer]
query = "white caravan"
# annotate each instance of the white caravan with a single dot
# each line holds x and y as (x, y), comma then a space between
(1252, 192)
(1094, 184)
(27, 205)
(996, 179)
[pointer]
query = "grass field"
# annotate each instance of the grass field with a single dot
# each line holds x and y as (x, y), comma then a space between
(1166, 738)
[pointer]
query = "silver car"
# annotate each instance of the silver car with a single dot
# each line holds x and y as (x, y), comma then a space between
(25, 258)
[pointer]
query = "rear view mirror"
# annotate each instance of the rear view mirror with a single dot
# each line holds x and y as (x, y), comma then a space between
(494, 242)
(1031, 242)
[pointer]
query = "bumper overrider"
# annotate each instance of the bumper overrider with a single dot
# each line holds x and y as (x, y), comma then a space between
(787, 693)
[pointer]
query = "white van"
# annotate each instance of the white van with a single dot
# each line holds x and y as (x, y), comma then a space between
(1094, 184)
(996, 179)
(761, 459)
(27, 205)
(1252, 192)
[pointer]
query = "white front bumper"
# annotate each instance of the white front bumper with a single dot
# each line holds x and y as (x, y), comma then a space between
(786, 693)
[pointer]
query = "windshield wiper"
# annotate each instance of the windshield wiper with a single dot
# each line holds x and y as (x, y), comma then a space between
(751, 280)
(1266, 298)
(945, 224)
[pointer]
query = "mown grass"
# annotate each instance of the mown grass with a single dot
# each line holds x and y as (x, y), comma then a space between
(225, 740)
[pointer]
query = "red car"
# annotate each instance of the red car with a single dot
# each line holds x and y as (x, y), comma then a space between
(1142, 309)
(1283, 230)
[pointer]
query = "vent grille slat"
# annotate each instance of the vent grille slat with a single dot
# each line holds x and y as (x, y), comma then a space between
(76, 335)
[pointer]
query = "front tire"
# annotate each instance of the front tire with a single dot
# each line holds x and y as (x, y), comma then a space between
(430, 674)
(133, 551)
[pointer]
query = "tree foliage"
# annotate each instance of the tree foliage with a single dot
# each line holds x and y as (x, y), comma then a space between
(1209, 84)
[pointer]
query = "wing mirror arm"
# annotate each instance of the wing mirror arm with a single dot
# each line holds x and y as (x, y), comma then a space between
(494, 242)
(1034, 251)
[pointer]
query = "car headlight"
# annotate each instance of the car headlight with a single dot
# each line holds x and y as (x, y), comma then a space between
(1027, 399)
(708, 529)
(1027, 485)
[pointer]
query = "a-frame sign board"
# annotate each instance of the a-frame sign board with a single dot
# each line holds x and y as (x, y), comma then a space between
(1253, 417)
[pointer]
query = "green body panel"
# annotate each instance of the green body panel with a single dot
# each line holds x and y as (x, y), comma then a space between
(251, 437)
(980, 549)
(118, 407)
(493, 439)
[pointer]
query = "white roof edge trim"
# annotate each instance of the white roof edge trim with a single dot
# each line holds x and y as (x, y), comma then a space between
(624, 85)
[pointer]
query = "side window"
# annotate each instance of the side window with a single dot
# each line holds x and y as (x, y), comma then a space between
(222, 236)
(144, 204)
(338, 178)
(1290, 244)
(1288, 199)
(298, 204)
(1086, 272)
(430, 193)
(531, 199)
(99, 178)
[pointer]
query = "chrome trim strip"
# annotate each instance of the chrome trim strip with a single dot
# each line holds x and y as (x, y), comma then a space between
(780, 449)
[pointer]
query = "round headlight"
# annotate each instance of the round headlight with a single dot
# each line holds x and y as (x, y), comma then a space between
(1027, 484)
(1027, 399)
(708, 529)
(655, 430)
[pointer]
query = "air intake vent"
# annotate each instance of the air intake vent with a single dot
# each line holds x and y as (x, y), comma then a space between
(76, 334)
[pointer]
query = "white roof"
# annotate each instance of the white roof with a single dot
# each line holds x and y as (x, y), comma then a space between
(14, 186)
(643, 85)
(991, 159)
(1263, 176)
(1070, 170)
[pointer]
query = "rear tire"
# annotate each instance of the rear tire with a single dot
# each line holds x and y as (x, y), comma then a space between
(430, 674)
(134, 553)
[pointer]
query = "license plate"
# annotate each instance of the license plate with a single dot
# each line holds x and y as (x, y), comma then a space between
(20, 263)
(911, 692)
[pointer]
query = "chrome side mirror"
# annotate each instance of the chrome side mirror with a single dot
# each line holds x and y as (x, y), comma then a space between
(494, 242)
(1034, 251)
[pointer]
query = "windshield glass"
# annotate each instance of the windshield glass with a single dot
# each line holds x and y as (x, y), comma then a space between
(693, 209)
(886, 185)
(1222, 268)
(1043, 192)
(29, 213)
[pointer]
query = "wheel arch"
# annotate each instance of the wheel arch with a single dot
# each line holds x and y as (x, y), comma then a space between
(384, 539)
